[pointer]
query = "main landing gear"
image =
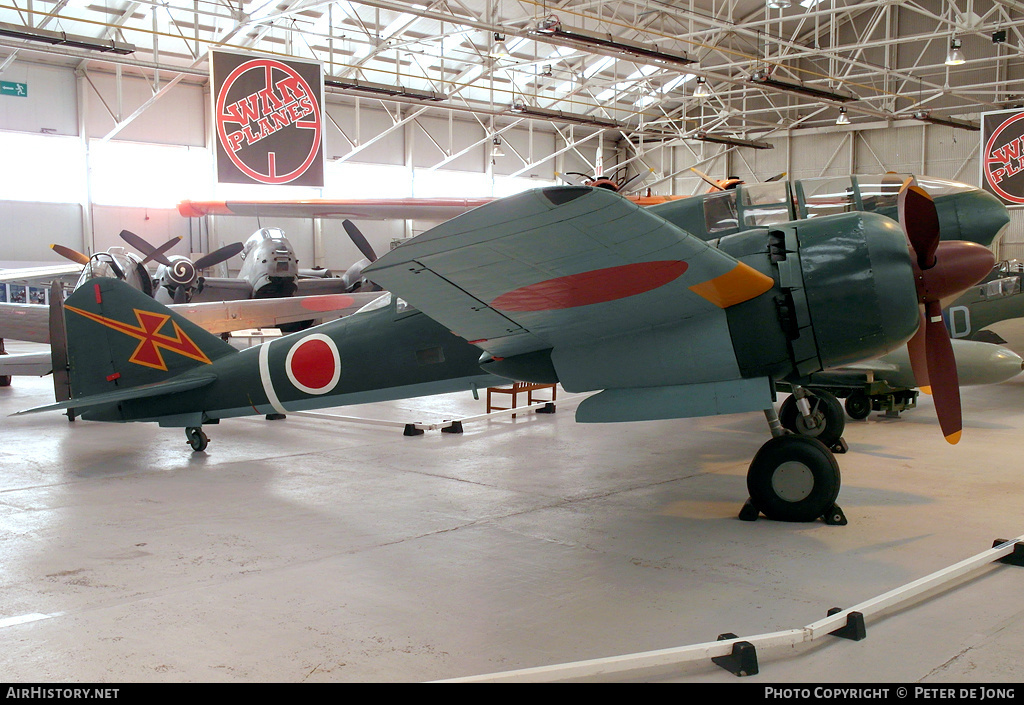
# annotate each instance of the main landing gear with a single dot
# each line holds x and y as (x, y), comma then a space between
(795, 476)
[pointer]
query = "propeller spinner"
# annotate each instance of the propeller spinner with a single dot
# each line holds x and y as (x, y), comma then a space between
(942, 270)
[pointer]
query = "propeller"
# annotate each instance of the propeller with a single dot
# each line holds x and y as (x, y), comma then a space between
(941, 270)
(149, 252)
(68, 253)
(359, 240)
(217, 256)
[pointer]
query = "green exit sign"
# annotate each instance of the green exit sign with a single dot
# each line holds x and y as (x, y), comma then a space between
(16, 89)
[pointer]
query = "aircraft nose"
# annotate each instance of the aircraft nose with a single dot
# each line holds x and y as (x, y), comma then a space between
(973, 215)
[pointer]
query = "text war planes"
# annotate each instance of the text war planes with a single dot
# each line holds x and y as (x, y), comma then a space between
(577, 286)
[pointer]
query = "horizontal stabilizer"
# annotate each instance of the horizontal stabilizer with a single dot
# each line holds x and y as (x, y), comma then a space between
(142, 392)
(676, 402)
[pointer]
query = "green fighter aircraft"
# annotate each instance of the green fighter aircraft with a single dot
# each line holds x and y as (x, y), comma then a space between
(579, 286)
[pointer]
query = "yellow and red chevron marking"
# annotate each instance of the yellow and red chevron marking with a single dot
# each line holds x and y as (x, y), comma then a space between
(151, 340)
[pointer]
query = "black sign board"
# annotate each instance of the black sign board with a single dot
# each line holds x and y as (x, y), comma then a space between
(268, 116)
(1002, 155)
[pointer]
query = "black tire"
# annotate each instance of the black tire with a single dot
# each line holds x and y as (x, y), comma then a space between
(196, 438)
(793, 478)
(826, 412)
(858, 405)
(5, 380)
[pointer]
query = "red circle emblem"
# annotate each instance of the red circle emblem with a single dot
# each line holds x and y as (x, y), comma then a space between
(313, 364)
(268, 121)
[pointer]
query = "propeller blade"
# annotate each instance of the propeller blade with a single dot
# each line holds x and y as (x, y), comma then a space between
(150, 252)
(919, 357)
(359, 240)
(180, 295)
(706, 178)
(920, 221)
(217, 256)
(68, 253)
(777, 177)
(942, 372)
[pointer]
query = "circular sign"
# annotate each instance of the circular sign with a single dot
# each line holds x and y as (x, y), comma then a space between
(1004, 160)
(313, 364)
(268, 121)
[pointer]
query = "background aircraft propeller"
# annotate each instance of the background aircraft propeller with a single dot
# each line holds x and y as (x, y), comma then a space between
(353, 277)
(359, 240)
(148, 251)
(68, 253)
(941, 269)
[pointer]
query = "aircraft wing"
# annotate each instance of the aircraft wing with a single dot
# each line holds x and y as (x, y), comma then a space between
(226, 316)
(561, 266)
(36, 275)
(30, 322)
(431, 209)
(33, 364)
(435, 209)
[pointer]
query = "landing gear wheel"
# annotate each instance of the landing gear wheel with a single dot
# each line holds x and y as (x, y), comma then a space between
(5, 380)
(196, 438)
(826, 422)
(858, 405)
(793, 478)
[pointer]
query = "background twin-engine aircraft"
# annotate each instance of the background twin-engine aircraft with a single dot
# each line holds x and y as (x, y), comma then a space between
(581, 286)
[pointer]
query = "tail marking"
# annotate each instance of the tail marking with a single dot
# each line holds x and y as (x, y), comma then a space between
(151, 339)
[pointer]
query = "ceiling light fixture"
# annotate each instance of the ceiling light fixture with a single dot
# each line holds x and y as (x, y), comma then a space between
(955, 57)
(64, 39)
(843, 118)
(778, 4)
(496, 150)
(355, 84)
(701, 90)
(500, 49)
(578, 39)
(925, 116)
(559, 116)
(763, 77)
(732, 141)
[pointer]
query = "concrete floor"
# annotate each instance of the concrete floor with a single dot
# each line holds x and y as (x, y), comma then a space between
(317, 551)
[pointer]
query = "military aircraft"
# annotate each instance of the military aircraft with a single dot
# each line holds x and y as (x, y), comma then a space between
(993, 310)
(519, 288)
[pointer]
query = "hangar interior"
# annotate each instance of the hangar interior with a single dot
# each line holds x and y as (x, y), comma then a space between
(309, 549)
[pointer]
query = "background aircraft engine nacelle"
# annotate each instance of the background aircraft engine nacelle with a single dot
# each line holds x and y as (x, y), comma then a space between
(845, 293)
(851, 283)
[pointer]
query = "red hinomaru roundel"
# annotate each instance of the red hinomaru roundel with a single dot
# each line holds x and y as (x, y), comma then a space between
(313, 364)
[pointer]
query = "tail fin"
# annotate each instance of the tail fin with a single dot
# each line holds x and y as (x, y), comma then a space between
(118, 338)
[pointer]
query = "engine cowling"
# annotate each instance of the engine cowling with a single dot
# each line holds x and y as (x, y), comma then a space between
(845, 292)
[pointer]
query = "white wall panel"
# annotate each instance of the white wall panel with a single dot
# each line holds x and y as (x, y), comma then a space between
(51, 104)
(28, 229)
(156, 226)
(178, 117)
(453, 137)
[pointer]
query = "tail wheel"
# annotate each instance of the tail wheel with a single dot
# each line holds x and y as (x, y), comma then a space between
(858, 405)
(793, 478)
(196, 438)
(826, 422)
